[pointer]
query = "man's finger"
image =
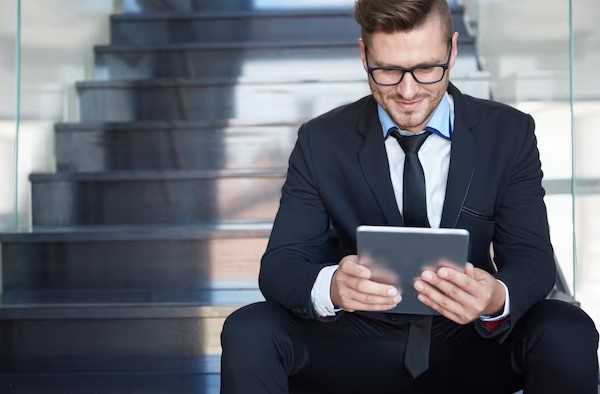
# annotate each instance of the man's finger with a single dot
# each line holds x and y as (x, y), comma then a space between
(448, 288)
(359, 306)
(370, 299)
(439, 298)
(444, 312)
(366, 286)
(460, 279)
(352, 268)
(470, 270)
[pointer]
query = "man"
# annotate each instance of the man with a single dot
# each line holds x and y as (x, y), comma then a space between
(323, 328)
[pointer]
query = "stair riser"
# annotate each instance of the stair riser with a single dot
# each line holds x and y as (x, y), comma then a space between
(116, 265)
(153, 6)
(129, 345)
(67, 203)
(252, 63)
(266, 103)
(233, 29)
(110, 384)
(186, 149)
(291, 102)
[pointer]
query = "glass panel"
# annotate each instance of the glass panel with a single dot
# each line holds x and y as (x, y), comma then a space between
(529, 69)
(57, 51)
(8, 116)
(586, 109)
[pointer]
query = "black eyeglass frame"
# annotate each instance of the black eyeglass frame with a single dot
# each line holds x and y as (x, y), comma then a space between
(410, 70)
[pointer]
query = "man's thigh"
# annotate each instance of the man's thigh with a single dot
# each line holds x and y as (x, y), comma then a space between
(462, 361)
(353, 354)
(359, 355)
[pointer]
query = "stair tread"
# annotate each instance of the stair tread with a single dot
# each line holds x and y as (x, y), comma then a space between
(220, 81)
(112, 304)
(198, 46)
(237, 229)
(163, 175)
(303, 12)
(213, 81)
(317, 12)
(168, 125)
(227, 45)
(207, 382)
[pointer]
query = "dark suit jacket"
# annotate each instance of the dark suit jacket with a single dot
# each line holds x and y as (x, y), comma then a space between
(338, 179)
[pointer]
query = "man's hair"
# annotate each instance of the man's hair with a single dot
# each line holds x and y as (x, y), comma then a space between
(390, 16)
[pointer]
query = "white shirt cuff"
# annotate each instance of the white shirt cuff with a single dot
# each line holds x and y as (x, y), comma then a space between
(506, 310)
(320, 294)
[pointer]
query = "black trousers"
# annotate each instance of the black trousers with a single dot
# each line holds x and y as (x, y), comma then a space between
(267, 349)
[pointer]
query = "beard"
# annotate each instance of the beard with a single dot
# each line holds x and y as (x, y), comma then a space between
(415, 119)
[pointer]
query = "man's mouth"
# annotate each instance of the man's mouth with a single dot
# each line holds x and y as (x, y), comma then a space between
(405, 104)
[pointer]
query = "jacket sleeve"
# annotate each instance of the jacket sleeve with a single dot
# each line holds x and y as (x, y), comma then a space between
(522, 250)
(301, 241)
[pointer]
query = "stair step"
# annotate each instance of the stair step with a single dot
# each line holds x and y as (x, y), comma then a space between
(264, 26)
(217, 99)
(155, 197)
(232, 26)
(170, 146)
(213, 100)
(66, 335)
(203, 383)
(245, 61)
(248, 61)
(120, 304)
(185, 6)
(167, 6)
(137, 258)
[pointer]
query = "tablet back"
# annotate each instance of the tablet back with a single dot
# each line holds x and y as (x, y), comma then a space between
(398, 255)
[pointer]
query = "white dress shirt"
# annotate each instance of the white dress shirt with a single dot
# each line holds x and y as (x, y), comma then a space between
(434, 155)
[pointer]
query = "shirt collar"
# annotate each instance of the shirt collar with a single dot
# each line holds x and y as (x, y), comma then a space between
(442, 120)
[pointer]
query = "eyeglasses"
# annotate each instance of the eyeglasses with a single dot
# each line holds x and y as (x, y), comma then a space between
(426, 74)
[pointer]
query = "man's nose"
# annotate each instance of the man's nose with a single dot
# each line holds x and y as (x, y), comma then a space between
(408, 88)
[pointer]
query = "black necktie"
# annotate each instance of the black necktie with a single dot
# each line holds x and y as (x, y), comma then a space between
(414, 211)
(414, 202)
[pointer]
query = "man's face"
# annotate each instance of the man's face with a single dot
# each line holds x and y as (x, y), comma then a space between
(410, 104)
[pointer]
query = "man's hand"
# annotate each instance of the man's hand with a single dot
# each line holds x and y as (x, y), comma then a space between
(352, 290)
(461, 296)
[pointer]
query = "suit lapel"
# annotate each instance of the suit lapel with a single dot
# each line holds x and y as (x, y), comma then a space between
(372, 157)
(462, 165)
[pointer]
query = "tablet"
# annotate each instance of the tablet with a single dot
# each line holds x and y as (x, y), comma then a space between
(397, 256)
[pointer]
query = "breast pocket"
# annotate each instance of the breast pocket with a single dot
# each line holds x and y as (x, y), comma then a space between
(481, 227)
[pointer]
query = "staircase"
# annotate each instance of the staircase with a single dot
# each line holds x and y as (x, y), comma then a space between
(151, 231)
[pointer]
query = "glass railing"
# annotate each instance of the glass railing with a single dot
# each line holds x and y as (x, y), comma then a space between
(530, 70)
(9, 27)
(586, 142)
(549, 67)
(56, 50)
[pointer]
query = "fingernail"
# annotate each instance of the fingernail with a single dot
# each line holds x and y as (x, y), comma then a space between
(419, 286)
(427, 275)
(443, 273)
(392, 291)
(397, 299)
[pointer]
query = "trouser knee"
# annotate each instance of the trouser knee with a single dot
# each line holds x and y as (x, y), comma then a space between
(256, 331)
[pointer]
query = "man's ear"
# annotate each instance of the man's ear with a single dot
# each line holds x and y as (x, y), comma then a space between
(362, 49)
(454, 50)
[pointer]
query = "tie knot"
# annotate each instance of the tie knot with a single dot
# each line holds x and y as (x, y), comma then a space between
(410, 144)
